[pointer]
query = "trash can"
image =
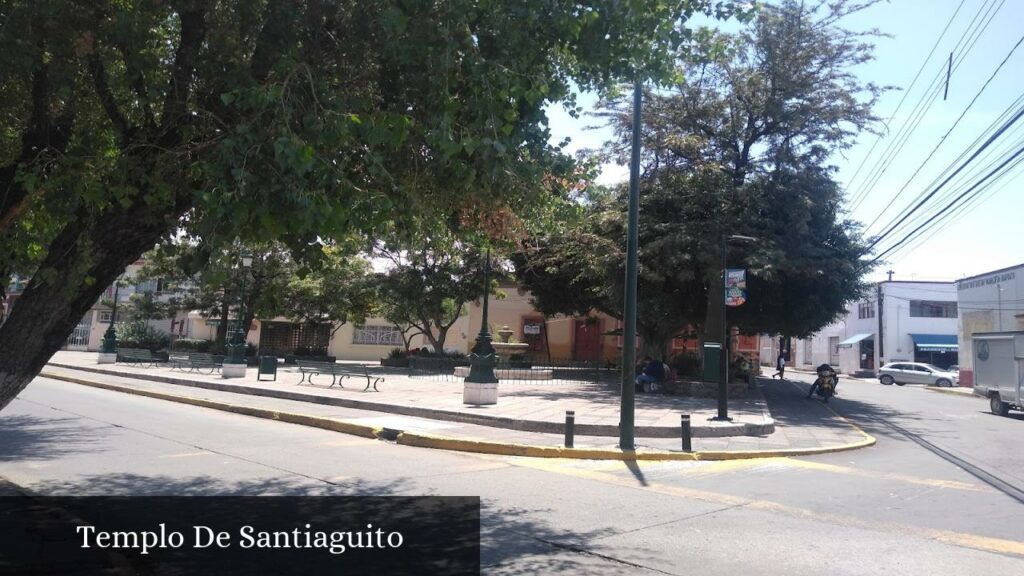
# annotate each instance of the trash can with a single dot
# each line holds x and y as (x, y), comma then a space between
(712, 361)
(268, 365)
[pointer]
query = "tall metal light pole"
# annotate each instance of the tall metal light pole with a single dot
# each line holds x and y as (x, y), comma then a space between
(723, 382)
(234, 366)
(626, 411)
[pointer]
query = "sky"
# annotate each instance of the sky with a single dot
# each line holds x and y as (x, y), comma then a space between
(988, 234)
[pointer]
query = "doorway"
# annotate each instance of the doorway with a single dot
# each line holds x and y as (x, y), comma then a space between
(587, 340)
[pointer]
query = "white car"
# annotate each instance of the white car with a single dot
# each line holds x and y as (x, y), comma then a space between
(901, 373)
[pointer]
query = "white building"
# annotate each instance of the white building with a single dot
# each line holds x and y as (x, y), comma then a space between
(990, 302)
(909, 321)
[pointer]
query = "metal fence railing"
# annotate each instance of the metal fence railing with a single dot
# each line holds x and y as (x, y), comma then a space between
(543, 372)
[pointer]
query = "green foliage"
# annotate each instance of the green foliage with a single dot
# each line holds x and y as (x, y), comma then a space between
(739, 146)
(191, 345)
(339, 289)
(429, 283)
(396, 353)
(138, 335)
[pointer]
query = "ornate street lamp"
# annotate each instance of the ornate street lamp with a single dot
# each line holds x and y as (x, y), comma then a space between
(108, 350)
(235, 364)
(481, 386)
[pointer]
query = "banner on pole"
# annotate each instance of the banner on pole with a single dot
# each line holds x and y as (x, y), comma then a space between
(735, 286)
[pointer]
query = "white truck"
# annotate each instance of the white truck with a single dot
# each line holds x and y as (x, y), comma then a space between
(999, 369)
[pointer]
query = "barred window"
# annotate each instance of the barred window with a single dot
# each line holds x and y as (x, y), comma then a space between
(377, 335)
(866, 310)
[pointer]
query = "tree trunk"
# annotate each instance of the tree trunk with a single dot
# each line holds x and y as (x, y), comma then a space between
(86, 256)
(438, 344)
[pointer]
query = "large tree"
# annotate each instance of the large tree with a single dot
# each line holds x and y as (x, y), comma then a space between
(427, 286)
(122, 120)
(739, 144)
(215, 283)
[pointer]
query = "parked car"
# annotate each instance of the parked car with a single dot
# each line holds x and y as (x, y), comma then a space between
(901, 373)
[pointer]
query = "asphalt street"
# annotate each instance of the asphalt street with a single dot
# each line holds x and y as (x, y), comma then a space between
(940, 492)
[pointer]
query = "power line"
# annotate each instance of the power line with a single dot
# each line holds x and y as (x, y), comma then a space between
(907, 92)
(991, 157)
(948, 132)
(1006, 125)
(961, 210)
(1013, 158)
(896, 146)
(924, 103)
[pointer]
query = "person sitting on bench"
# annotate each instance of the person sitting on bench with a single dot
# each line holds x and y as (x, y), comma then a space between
(654, 372)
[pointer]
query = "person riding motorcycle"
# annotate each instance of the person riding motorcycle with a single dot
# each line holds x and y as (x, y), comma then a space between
(825, 370)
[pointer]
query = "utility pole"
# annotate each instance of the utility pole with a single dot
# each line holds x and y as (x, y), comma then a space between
(626, 409)
(880, 349)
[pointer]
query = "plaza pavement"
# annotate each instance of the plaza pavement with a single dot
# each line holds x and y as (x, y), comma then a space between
(526, 414)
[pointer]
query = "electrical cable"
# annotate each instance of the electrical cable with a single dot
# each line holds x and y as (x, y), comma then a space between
(948, 132)
(924, 104)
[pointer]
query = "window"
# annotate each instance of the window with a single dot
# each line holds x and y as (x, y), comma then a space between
(866, 310)
(105, 316)
(377, 335)
(932, 309)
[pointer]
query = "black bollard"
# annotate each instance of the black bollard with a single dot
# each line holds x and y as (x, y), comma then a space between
(684, 423)
(570, 427)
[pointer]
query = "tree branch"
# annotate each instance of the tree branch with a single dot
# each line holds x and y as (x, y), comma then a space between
(107, 100)
(193, 32)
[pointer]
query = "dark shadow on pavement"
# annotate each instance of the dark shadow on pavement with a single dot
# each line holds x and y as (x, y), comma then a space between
(25, 437)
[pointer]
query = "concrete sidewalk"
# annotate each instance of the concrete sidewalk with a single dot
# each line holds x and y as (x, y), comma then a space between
(523, 406)
(806, 427)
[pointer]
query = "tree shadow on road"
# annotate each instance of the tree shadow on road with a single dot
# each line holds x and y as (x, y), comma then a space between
(126, 484)
(25, 437)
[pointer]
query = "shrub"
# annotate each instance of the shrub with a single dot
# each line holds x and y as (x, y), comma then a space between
(191, 345)
(396, 353)
(686, 365)
(141, 336)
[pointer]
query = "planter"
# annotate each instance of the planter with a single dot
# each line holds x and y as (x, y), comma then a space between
(395, 362)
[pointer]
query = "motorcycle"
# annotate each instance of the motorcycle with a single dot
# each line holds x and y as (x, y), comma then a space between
(826, 383)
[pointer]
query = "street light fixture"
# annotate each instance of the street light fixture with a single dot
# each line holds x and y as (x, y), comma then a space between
(234, 366)
(723, 382)
(481, 385)
(108, 350)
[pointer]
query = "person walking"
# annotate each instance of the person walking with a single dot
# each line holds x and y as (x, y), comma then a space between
(780, 367)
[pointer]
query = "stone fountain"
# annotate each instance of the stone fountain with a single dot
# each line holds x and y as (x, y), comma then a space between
(505, 348)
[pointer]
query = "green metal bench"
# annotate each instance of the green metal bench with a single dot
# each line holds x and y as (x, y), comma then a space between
(203, 361)
(338, 372)
(137, 356)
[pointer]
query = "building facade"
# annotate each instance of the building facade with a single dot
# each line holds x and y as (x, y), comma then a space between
(990, 302)
(910, 321)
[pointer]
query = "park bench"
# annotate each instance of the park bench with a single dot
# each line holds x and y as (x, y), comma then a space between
(338, 373)
(203, 361)
(178, 361)
(137, 356)
(195, 361)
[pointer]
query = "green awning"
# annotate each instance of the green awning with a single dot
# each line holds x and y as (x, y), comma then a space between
(935, 342)
(855, 339)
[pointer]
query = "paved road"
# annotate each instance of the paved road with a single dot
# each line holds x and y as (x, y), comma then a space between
(898, 508)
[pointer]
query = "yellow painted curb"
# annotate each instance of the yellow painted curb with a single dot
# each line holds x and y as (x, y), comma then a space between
(501, 449)
(302, 419)
(473, 445)
(951, 393)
